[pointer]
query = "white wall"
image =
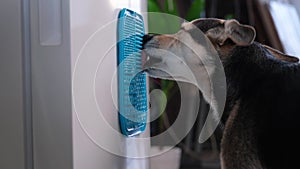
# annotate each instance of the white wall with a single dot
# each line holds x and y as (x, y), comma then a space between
(97, 142)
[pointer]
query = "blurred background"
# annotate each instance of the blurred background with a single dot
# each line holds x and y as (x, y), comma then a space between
(276, 23)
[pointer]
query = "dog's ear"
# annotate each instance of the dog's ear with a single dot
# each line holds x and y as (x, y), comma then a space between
(240, 35)
(277, 54)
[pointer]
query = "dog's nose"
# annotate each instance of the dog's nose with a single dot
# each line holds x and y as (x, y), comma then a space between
(147, 38)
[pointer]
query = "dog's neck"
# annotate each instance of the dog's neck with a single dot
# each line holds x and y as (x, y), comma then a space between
(247, 68)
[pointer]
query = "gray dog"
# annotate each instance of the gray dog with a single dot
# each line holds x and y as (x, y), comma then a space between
(263, 86)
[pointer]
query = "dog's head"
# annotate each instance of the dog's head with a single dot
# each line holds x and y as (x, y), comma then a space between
(202, 35)
(195, 41)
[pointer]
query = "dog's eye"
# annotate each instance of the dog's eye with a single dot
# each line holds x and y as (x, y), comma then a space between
(186, 26)
(225, 43)
(182, 25)
(228, 42)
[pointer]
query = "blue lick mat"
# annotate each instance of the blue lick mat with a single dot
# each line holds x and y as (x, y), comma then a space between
(132, 91)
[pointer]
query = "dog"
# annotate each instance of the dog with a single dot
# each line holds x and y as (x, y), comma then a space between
(263, 89)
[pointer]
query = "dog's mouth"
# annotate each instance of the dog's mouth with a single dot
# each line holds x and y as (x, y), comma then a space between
(152, 65)
(145, 58)
(163, 64)
(150, 58)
